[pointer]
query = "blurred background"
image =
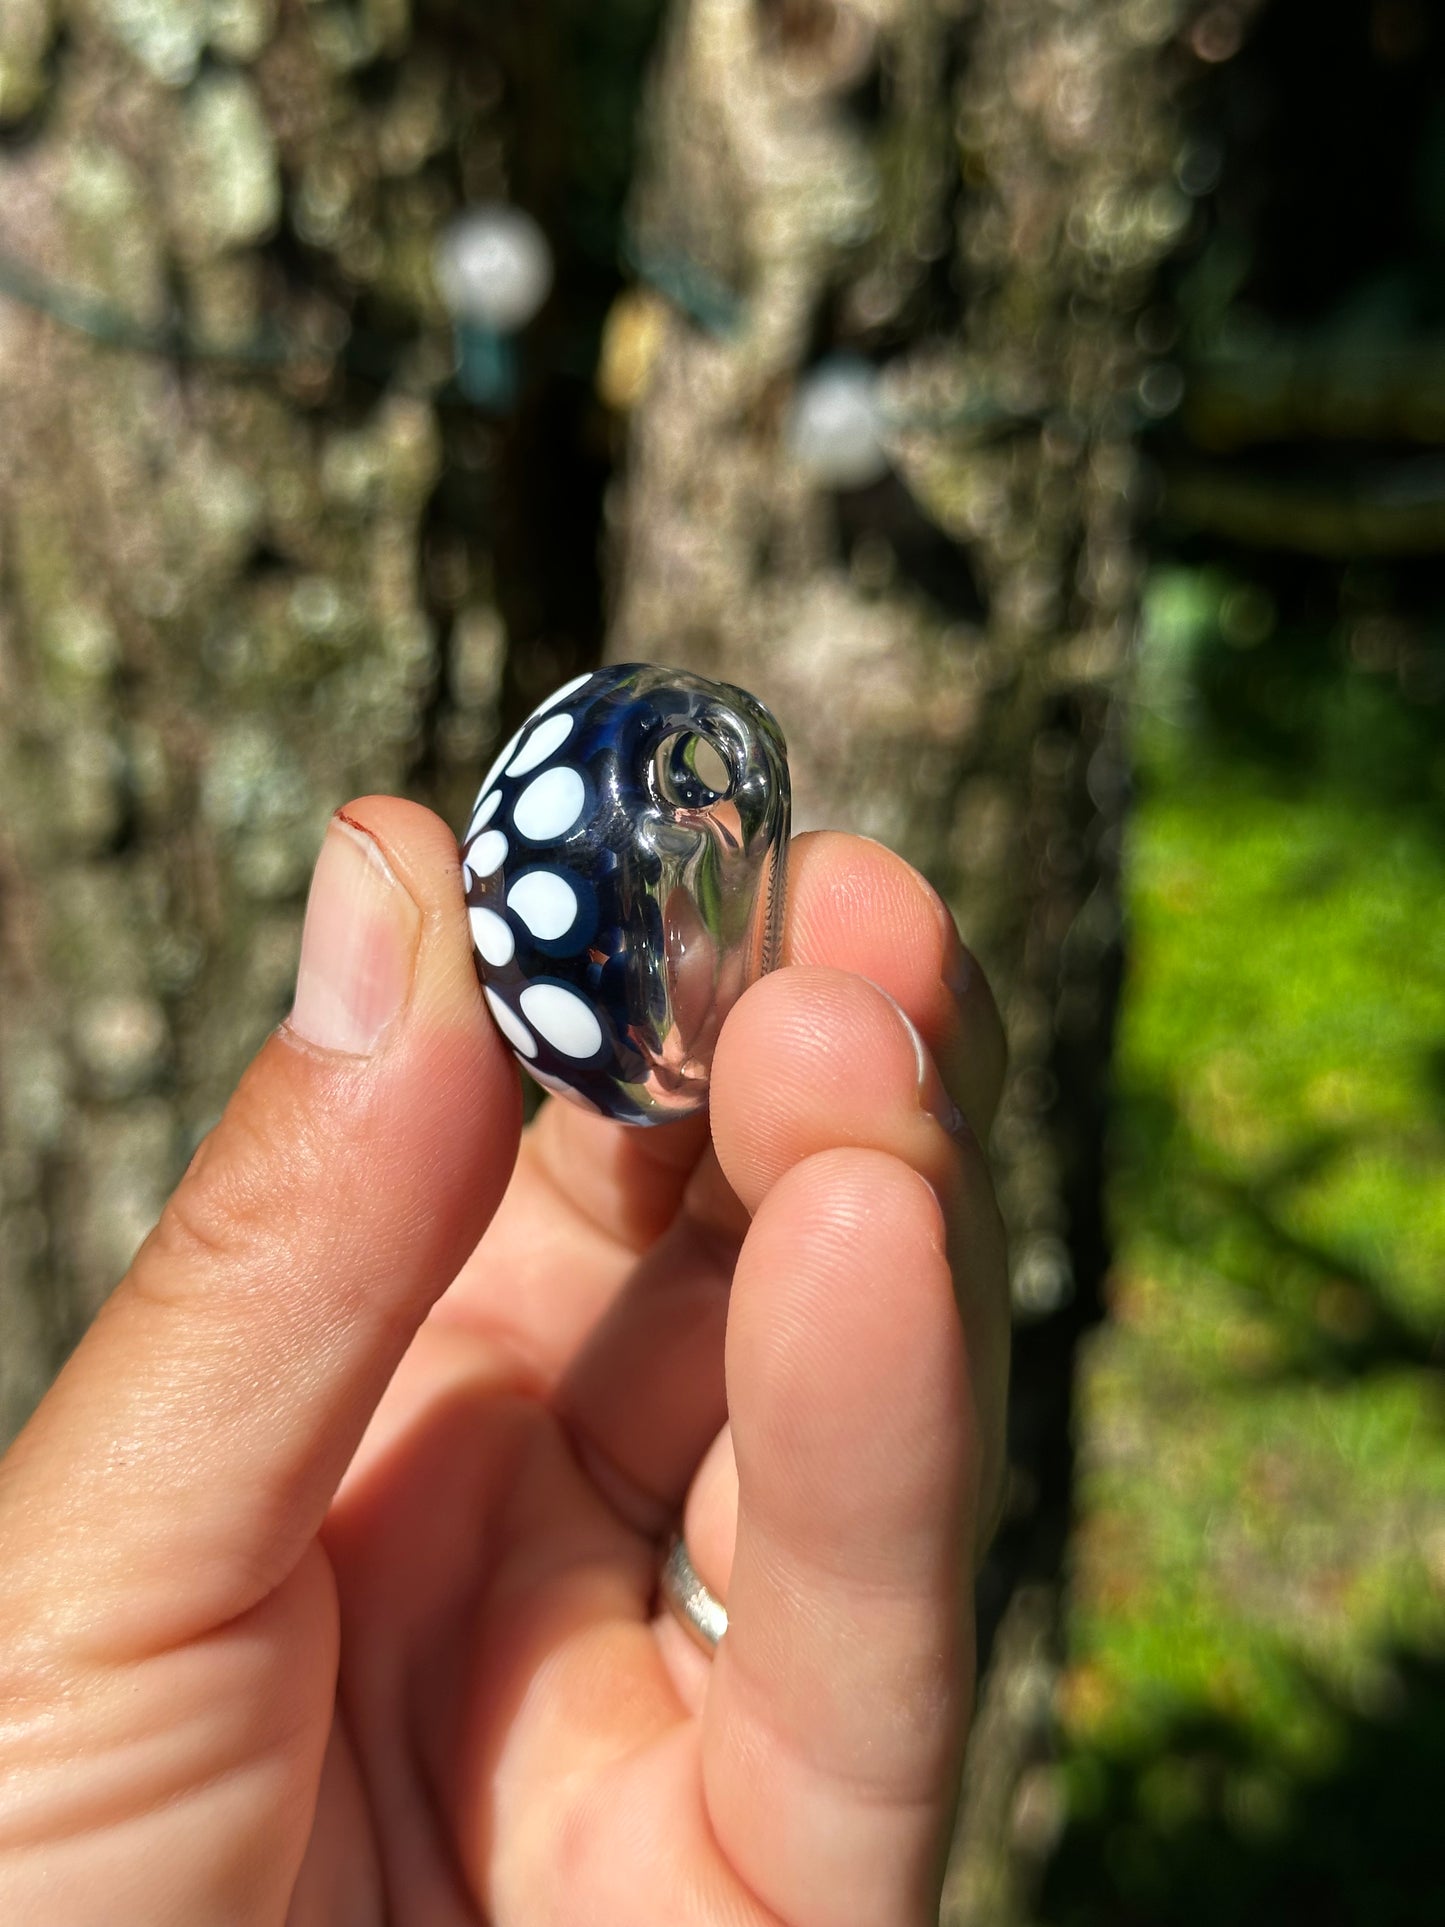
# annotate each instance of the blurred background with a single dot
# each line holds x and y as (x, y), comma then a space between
(1041, 405)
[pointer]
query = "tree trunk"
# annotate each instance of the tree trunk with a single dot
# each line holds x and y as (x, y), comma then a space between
(946, 649)
(248, 536)
(257, 555)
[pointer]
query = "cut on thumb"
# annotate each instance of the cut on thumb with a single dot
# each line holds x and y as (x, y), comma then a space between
(185, 1457)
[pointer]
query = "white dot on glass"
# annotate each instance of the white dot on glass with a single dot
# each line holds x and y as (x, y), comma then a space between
(487, 854)
(550, 805)
(511, 1026)
(544, 740)
(546, 903)
(486, 809)
(566, 1021)
(502, 761)
(493, 937)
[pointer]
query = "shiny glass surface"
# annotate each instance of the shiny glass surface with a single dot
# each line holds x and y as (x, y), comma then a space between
(625, 870)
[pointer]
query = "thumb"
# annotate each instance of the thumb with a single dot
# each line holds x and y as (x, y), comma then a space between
(186, 1455)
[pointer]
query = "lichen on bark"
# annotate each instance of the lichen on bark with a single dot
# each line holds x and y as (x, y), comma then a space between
(215, 618)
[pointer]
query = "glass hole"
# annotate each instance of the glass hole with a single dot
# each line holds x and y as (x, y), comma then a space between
(692, 771)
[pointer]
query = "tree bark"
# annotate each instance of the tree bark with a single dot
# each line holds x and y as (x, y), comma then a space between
(257, 555)
(976, 196)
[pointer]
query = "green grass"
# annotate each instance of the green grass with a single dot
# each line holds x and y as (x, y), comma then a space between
(1252, 1723)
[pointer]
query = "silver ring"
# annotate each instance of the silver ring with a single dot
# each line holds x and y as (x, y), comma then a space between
(703, 1617)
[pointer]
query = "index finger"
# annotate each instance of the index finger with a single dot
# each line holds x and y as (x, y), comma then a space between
(852, 904)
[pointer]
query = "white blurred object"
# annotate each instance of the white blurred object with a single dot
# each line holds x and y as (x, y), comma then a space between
(493, 266)
(837, 428)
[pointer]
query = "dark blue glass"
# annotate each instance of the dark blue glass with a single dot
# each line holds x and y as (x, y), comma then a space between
(625, 870)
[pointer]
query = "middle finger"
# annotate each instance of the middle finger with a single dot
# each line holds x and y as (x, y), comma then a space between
(810, 1057)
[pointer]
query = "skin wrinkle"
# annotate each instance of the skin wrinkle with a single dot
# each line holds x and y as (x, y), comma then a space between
(918, 1814)
(525, 1375)
(796, 1601)
(436, 1810)
(349, 1896)
(294, 1737)
(85, 1824)
(681, 1290)
(398, 1738)
(541, 1162)
(800, 1021)
(869, 1586)
(491, 1323)
(236, 1192)
(870, 1791)
(637, 1509)
(765, 1915)
(664, 1150)
(378, 1750)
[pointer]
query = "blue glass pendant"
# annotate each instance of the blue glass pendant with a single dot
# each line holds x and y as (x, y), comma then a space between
(624, 869)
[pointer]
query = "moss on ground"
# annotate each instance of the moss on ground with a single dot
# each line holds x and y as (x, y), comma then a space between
(1252, 1723)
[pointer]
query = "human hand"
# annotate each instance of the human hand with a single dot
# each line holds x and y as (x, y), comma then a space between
(330, 1559)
